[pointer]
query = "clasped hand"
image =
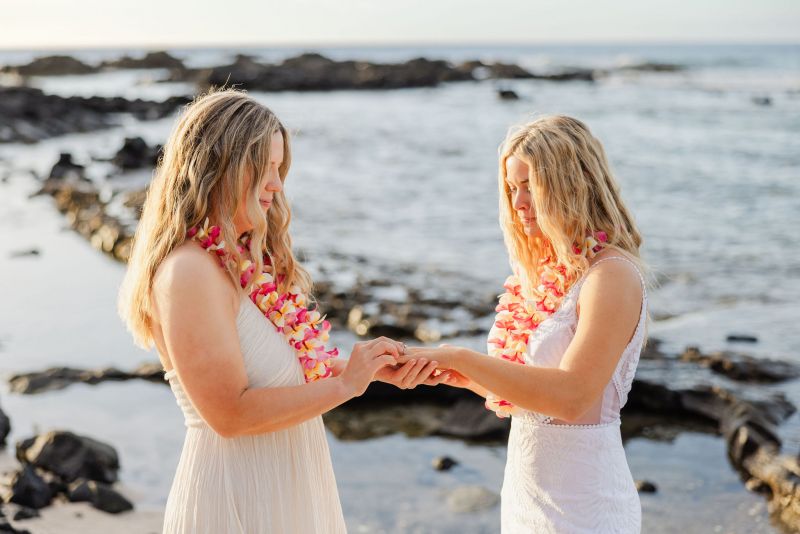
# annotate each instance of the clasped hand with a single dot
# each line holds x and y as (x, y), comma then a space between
(405, 367)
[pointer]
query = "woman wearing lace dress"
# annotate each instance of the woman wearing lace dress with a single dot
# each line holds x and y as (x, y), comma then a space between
(213, 284)
(566, 341)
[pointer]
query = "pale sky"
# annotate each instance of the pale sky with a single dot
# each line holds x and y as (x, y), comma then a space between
(153, 23)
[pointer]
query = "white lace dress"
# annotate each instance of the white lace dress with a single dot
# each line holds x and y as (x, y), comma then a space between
(279, 482)
(573, 478)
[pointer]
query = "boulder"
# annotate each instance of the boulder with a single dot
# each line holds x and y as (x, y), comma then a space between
(70, 456)
(27, 488)
(472, 498)
(99, 495)
(135, 153)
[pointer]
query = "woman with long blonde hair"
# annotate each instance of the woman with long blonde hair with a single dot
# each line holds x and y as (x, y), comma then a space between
(212, 282)
(565, 344)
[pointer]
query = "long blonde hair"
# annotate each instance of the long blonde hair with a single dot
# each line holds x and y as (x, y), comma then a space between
(574, 195)
(220, 146)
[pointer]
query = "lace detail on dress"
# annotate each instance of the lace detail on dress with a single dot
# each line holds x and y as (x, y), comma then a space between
(548, 343)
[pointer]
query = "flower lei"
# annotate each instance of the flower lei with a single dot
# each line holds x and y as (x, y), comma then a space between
(305, 330)
(518, 317)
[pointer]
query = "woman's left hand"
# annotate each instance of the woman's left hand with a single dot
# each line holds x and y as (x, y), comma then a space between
(410, 374)
(444, 354)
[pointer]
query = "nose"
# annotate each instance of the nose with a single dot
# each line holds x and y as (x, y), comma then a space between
(274, 183)
(521, 200)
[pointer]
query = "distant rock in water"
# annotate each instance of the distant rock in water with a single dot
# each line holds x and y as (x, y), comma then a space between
(762, 100)
(314, 72)
(742, 338)
(25, 253)
(742, 367)
(136, 154)
(29, 115)
(444, 463)
(653, 66)
(645, 486)
(57, 378)
(507, 94)
(569, 75)
(153, 60)
(66, 169)
(52, 66)
(5, 427)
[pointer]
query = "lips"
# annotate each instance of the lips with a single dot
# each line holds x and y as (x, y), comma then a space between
(265, 203)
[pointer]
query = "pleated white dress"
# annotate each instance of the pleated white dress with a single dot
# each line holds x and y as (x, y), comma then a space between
(276, 482)
(573, 478)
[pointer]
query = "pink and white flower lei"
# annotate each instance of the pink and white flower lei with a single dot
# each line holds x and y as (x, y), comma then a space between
(305, 330)
(518, 317)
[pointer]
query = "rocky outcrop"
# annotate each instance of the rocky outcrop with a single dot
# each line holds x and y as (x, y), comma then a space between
(58, 463)
(742, 367)
(135, 153)
(70, 456)
(314, 72)
(25, 487)
(5, 427)
(152, 60)
(51, 66)
(57, 378)
(100, 495)
(29, 115)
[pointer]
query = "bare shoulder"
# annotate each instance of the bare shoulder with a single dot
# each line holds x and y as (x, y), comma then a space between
(612, 282)
(189, 273)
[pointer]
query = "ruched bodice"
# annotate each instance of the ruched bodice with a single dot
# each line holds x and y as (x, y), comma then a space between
(268, 359)
(279, 481)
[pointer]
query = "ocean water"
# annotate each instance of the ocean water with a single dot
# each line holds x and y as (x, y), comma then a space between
(410, 177)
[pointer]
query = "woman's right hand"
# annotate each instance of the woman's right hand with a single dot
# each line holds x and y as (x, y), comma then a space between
(449, 377)
(367, 359)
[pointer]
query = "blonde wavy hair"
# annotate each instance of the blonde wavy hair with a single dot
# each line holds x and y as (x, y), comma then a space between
(574, 195)
(218, 151)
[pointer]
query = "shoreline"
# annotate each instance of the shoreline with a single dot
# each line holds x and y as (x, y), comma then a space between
(697, 485)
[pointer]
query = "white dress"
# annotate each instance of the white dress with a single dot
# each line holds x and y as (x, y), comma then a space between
(279, 482)
(573, 478)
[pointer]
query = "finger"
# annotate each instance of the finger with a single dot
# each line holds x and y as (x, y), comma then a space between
(428, 371)
(403, 370)
(405, 358)
(411, 378)
(383, 361)
(384, 347)
(425, 373)
(413, 369)
(434, 381)
(384, 339)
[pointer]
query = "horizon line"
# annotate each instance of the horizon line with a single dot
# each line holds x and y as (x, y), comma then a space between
(395, 44)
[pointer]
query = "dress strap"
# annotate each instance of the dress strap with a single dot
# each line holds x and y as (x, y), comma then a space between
(609, 258)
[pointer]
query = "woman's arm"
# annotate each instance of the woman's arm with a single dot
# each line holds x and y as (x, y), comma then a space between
(197, 314)
(610, 304)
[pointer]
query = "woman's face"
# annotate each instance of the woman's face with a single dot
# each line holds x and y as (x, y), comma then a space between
(271, 184)
(517, 178)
